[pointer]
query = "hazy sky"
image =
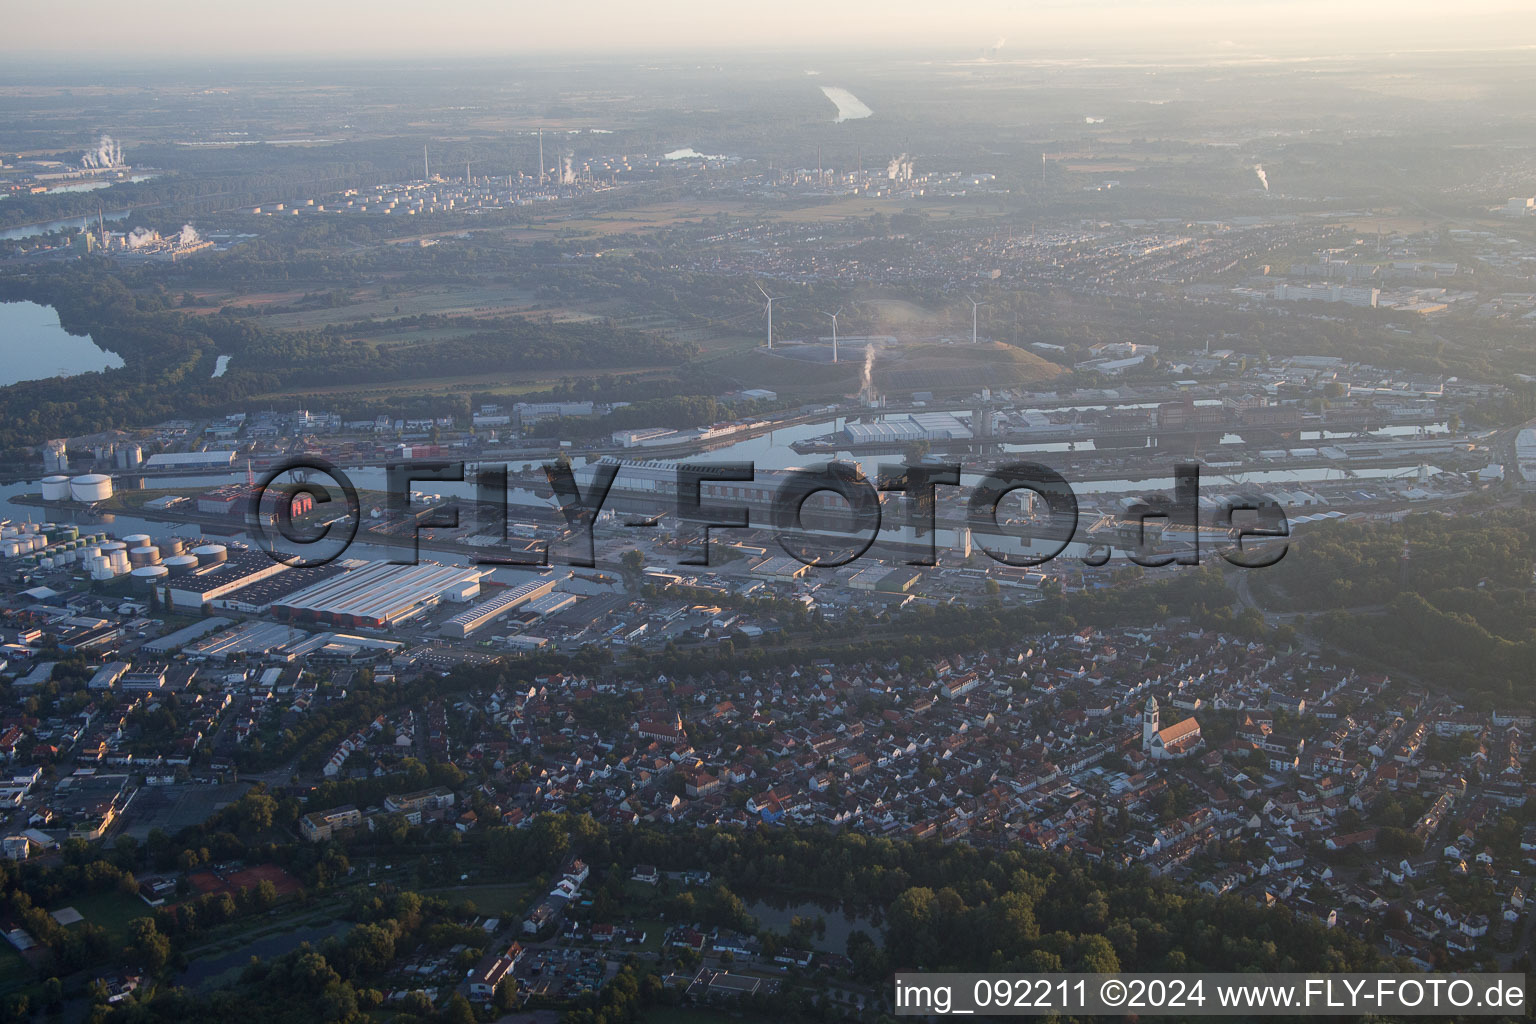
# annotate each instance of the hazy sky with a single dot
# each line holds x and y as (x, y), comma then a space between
(138, 29)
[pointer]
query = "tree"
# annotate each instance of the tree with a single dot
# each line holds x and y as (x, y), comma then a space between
(504, 999)
(458, 1010)
(148, 945)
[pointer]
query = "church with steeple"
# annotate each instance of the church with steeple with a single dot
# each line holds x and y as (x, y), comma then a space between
(1178, 740)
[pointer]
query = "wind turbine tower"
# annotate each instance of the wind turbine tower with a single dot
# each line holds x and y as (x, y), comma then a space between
(770, 299)
(833, 317)
(974, 307)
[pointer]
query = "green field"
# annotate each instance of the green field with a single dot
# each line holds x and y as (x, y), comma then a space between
(110, 910)
(497, 900)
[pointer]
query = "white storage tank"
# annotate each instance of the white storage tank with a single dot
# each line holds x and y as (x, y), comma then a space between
(91, 487)
(180, 565)
(120, 562)
(55, 488)
(211, 554)
(150, 576)
(136, 540)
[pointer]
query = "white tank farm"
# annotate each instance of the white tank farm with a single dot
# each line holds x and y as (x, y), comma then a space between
(150, 576)
(91, 487)
(55, 488)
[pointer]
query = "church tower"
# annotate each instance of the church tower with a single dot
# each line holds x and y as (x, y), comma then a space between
(1148, 723)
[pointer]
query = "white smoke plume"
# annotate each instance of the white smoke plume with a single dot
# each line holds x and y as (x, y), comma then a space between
(107, 155)
(998, 46)
(138, 238)
(188, 236)
(849, 106)
(865, 383)
(1263, 178)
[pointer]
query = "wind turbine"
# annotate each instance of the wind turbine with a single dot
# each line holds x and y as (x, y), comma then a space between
(974, 307)
(834, 317)
(770, 299)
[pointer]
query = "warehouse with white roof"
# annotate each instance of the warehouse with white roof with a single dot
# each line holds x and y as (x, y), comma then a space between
(382, 594)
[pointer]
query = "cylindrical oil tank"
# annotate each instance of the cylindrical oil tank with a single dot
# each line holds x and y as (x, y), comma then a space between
(172, 546)
(46, 562)
(136, 540)
(120, 562)
(180, 565)
(55, 488)
(211, 554)
(150, 576)
(91, 487)
(146, 555)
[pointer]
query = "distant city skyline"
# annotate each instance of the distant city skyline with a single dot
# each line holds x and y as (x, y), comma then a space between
(994, 28)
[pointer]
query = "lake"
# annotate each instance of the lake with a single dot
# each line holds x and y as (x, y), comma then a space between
(33, 346)
(840, 924)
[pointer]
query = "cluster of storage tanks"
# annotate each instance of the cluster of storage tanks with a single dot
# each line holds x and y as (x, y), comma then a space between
(86, 488)
(53, 546)
(152, 564)
(49, 545)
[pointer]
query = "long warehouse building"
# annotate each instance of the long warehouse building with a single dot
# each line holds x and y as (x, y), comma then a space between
(191, 460)
(471, 619)
(382, 594)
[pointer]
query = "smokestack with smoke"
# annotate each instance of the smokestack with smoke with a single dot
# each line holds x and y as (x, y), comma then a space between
(138, 238)
(188, 236)
(866, 383)
(107, 155)
(1263, 178)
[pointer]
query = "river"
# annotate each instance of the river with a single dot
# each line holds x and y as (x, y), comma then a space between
(79, 223)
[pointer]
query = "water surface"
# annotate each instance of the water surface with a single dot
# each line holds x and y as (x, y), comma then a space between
(33, 346)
